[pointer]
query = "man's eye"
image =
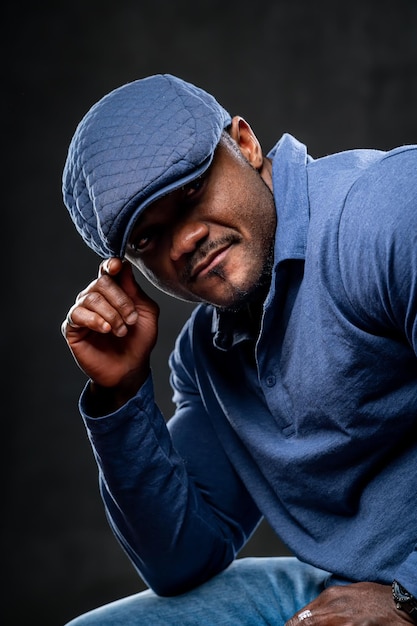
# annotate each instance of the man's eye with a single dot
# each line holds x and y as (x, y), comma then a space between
(193, 187)
(142, 241)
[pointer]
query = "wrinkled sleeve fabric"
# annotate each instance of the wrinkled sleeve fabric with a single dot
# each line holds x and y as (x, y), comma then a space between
(379, 266)
(171, 496)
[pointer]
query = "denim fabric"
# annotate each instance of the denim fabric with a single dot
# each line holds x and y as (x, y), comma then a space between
(250, 592)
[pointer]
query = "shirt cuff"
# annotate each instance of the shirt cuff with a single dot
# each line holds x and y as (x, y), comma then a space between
(137, 403)
(406, 574)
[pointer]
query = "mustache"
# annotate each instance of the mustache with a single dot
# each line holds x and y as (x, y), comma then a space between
(202, 251)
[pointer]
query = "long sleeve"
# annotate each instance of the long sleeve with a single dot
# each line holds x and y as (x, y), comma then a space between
(180, 511)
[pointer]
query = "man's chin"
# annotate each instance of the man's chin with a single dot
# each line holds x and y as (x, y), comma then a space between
(241, 299)
(219, 290)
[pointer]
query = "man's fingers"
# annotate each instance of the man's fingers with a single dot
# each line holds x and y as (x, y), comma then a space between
(107, 297)
(110, 266)
(110, 303)
(80, 317)
(98, 312)
(69, 321)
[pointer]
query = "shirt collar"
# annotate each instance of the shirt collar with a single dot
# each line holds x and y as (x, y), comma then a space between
(230, 328)
(289, 179)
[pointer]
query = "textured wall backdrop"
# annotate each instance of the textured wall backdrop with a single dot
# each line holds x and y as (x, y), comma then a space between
(336, 75)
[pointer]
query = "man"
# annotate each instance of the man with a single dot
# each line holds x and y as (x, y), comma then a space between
(295, 378)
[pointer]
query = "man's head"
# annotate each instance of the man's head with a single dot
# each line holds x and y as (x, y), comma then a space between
(212, 239)
(133, 146)
(152, 175)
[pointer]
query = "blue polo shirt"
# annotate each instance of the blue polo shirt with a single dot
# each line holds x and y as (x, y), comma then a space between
(310, 421)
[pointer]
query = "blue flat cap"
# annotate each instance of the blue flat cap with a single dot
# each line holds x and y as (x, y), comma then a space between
(138, 143)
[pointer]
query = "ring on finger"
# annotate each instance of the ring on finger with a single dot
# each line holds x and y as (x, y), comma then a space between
(68, 319)
(304, 615)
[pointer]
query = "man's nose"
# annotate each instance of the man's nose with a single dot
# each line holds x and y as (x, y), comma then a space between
(186, 237)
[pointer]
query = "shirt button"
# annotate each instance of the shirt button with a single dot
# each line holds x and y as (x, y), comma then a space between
(270, 380)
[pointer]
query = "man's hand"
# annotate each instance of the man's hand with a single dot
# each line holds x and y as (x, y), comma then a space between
(112, 328)
(360, 604)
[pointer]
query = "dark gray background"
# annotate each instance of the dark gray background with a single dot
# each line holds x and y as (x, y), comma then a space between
(337, 75)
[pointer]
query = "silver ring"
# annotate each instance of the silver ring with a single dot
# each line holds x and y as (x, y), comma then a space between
(304, 615)
(69, 320)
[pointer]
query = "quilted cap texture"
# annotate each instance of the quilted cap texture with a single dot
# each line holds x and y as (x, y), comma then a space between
(136, 144)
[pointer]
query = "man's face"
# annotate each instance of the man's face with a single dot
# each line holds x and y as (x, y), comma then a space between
(212, 240)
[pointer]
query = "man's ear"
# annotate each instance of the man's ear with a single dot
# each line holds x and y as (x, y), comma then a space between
(247, 141)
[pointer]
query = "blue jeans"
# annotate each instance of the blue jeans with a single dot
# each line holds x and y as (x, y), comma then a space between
(251, 591)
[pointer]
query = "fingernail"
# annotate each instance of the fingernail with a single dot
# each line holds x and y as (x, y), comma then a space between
(131, 318)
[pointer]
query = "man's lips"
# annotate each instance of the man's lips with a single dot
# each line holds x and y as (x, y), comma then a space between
(209, 262)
